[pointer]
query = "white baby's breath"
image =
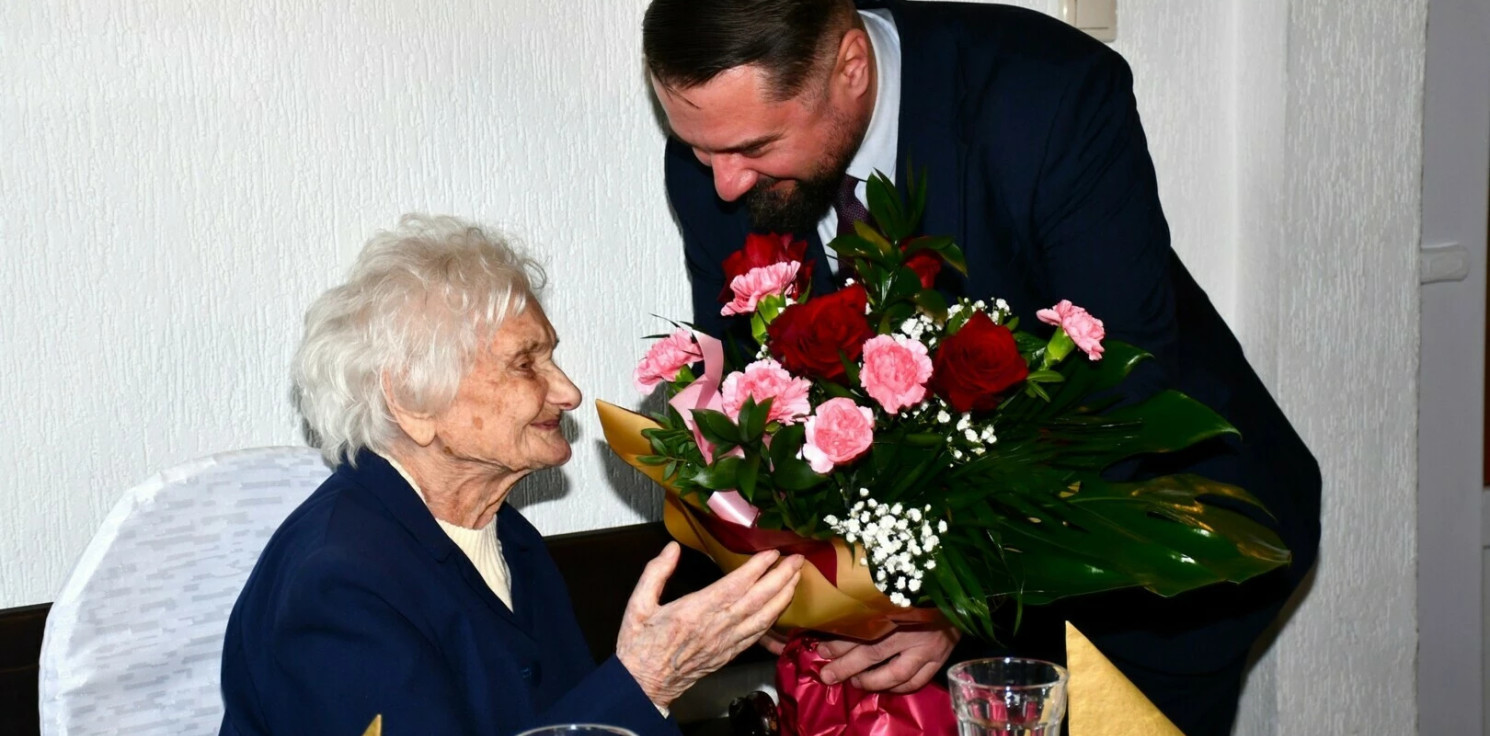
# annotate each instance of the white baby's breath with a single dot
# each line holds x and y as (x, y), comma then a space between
(900, 543)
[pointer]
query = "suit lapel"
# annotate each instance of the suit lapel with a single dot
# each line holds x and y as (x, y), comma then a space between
(517, 552)
(822, 272)
(403, 504)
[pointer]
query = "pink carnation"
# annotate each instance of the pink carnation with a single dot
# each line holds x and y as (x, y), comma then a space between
(895, 371)
(1084, 329)
(838, 433)
(763, 281)
(665, 358)
(766, 379)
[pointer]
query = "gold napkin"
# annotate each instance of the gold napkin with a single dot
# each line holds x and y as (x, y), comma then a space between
(376, 727)
(1102, 701)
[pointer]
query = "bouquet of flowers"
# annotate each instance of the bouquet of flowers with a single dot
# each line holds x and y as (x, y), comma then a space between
(925, 455)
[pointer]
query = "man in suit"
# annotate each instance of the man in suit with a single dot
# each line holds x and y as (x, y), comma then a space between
(1028, 130)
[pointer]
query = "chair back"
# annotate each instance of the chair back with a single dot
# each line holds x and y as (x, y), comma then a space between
(133, 643)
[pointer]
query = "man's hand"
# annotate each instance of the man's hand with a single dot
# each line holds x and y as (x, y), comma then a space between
(669, 647)
(773, 642)
(911, 657)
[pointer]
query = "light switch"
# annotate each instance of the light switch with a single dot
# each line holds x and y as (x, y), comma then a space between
(1097, 17)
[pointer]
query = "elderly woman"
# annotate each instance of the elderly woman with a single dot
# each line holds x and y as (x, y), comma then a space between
(404, 586)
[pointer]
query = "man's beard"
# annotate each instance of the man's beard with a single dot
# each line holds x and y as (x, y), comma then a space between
(798, 209)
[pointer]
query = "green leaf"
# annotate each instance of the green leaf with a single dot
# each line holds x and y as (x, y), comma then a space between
(747, 412)
(723, 475)
(1160, 534)
(902, 285)
(1168, 421)
(750, 470)
(836, 390)
(786, 443)
(1084, 380)
(932, 303)
(855, 246)
(894, 315)
(916, 186)
(867, 232)
(924, 439)
(716, 427)
(791, 474)
(758, 327)
(885, 206)
(850, 369)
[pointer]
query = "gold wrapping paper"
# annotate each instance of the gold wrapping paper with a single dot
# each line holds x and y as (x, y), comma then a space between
(376, 727)
(853, 608)
(1102, 701)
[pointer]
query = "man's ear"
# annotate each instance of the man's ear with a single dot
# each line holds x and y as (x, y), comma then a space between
(854, 70)
(418, 425)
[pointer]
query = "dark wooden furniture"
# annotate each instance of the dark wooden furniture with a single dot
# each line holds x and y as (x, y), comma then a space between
(20, 649)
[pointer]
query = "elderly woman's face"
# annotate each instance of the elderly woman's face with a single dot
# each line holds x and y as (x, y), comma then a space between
(506, 411)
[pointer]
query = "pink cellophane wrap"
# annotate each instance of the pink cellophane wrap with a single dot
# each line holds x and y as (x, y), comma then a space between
(809, 707)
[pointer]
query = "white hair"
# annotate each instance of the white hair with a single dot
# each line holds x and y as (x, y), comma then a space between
(417, 306)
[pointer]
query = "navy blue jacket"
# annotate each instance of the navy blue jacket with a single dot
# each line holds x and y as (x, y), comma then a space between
(361, 605)
(1039, 168)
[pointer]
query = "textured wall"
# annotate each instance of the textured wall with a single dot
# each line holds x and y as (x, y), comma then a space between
(181, 179)
(1329, 276)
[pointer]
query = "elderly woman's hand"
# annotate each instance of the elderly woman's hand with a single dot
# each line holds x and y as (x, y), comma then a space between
(669, 647)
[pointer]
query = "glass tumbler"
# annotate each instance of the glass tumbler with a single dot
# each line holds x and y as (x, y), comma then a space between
(577, 729)
(1008, 696)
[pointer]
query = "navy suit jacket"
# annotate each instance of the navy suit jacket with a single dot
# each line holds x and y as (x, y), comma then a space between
(361, 605)
(1038, 167)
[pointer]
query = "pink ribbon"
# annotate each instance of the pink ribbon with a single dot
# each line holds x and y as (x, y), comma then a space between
(703, 393)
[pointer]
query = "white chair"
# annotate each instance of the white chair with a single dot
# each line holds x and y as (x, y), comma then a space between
(133, 642)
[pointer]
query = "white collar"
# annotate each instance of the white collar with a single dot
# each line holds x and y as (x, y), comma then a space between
(878, 151)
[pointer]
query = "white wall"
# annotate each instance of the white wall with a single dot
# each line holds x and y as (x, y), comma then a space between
(1456, 176)
(1330, 211)
(181, 179)
(1287, 139)
(184, 179)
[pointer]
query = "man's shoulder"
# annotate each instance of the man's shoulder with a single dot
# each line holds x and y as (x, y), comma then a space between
(1010, 37)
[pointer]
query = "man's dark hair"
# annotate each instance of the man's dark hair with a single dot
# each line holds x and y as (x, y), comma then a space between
(689, 42)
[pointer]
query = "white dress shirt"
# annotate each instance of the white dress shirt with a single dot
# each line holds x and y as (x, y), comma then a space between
(878, 150)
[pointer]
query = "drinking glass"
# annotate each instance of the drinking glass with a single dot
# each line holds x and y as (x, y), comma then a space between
(577, 729)
(1008, 696)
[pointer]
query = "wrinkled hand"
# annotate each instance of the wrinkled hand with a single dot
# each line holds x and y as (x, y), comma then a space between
(669, 647)
(910, 657)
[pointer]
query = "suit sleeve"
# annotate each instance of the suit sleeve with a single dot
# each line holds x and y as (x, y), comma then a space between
(1100, 232)
(346, 651)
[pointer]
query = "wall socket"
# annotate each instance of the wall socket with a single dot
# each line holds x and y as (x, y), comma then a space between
(1097, 17)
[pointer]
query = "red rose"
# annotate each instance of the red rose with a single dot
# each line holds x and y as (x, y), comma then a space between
(973, 367)
(764, 250)
(927, 264)
(809, 337)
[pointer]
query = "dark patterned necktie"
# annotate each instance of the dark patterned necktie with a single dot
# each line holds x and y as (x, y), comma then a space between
(848, 207)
